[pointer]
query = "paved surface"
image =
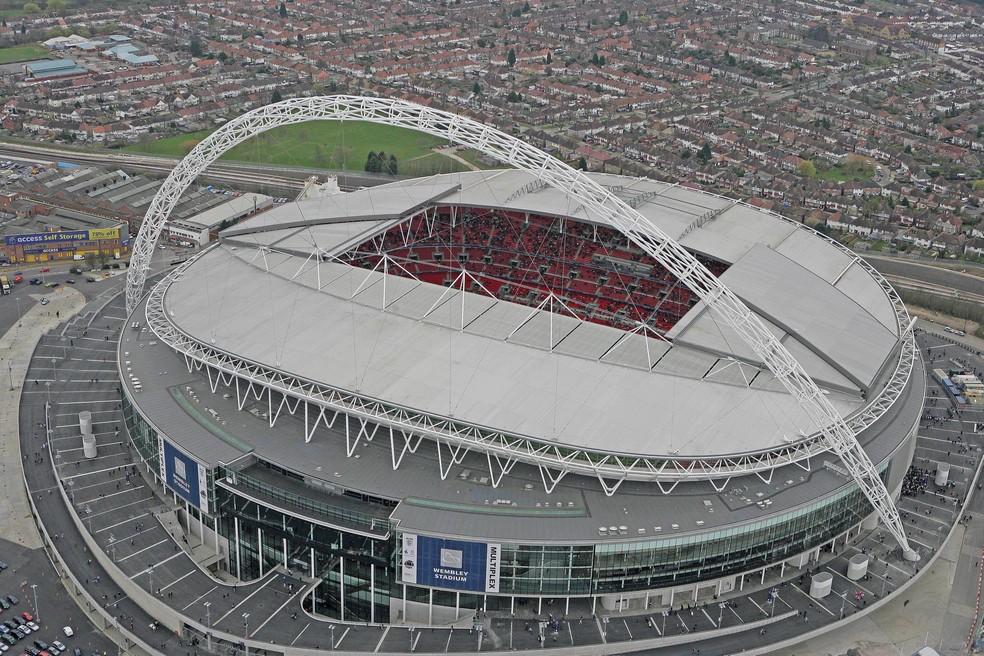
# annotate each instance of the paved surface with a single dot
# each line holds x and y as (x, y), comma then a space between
(940, 610)
(74, 364)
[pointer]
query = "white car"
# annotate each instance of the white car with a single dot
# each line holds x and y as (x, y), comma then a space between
(60, 646)
(34, 626)
(68, 632)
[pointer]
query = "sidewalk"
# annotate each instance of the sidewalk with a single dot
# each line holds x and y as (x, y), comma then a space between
(16, 348)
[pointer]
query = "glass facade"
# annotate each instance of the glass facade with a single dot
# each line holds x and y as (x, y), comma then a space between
(273, 517)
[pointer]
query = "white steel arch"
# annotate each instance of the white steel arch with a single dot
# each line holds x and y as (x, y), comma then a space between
(837, 435)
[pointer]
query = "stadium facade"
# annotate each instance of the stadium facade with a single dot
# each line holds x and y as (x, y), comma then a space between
(473, 391)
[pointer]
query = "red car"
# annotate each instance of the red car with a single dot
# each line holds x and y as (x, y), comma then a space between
(45, 269)
(27, 616)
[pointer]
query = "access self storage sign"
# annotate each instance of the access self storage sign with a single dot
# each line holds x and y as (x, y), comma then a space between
(71, 235)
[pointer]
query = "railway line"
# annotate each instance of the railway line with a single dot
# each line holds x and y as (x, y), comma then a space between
(232, 173)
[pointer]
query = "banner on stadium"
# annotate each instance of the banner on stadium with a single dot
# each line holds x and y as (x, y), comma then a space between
(454, 564)
(183, 474)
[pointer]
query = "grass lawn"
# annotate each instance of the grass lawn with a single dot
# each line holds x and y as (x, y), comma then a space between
(324, 144)
(837, 174)
(22, 53)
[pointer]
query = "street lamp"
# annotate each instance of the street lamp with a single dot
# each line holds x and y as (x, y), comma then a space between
(150, 571)
(37, 611)
(411, 640)
(331, 627)
(71, 489)
(246, 624)
(208, 618)
(665, 614)
(843, 603)
(721, 614)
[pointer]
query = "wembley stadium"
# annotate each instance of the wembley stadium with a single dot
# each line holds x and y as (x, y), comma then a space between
(532, 385)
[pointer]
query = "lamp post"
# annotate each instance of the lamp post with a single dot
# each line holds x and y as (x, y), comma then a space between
(150, 574)
(843, 603)
(665, 614)
(246, 624)
(208, 618)
(411, 640)
(71, 489)
(721, 614)
(331, 627)
(37, 611)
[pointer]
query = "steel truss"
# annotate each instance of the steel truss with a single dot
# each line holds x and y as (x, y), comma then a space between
(834, 433)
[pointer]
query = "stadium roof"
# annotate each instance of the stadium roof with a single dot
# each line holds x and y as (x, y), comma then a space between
(267, 296)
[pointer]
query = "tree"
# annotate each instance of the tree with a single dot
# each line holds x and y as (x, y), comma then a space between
(623, 17)
(685, 154)
(30, 8)
(594, 59)
(276, 97)
(582, 164)
(517, 12)
(511, 57)
(372, 162)
(602, 61)
(806, 169)
(526, 7)
(90, 260)
(283, 10)
(512, 97)
(394, 166)
(195, 47)
(705, 154)
(476, 88)
(55, 6)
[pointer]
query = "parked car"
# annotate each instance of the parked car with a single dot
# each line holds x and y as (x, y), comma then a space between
(3, 565)
(27, 616)
(4, 604)
(60, 646)
(68, 632)
(34, 626)
(35, 281)
(40, 644)
(12, 599)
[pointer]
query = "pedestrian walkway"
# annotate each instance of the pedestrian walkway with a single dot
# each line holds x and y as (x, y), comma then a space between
(16, 348)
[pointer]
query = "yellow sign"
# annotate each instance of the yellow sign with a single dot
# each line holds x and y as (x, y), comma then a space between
(104, 233)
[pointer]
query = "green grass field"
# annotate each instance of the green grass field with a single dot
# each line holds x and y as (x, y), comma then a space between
(22, 53)
(838, 174)
(324, 144)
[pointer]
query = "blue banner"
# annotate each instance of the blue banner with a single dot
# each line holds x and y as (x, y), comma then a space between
(454, 564)
(184, 475)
